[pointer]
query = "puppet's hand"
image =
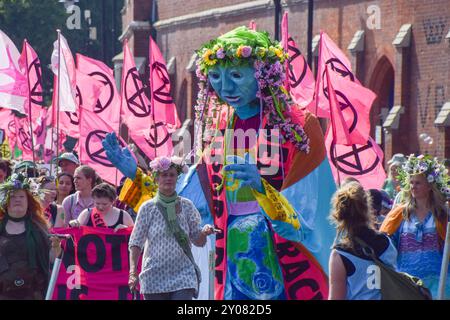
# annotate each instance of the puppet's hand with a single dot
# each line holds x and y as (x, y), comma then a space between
(121, 158)
(247, 173)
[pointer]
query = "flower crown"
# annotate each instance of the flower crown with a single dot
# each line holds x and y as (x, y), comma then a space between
(17, 181)
(160, 164)
(230, 52)
(434, 171)
(241, 47)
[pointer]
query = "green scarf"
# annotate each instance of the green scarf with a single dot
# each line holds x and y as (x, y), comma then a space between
(168, 204)
(168, 207)
(38, 250)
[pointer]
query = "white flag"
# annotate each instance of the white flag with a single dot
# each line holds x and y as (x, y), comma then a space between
(67, 76)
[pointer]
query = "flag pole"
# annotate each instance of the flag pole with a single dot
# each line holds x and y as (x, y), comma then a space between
(333, 125)
(51, 146)
(59, 93)
(122, 87)
(318, 75)
(29, 106)
(152, 103)
(445, 257)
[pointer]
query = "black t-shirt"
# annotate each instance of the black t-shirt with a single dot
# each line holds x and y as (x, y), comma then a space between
(17, 279)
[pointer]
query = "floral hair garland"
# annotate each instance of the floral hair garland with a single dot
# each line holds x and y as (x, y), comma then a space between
(160, 164)
(241, 47)
(17, 181)
(434, 171)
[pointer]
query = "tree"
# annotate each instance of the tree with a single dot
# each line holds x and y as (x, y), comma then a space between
(37, 21)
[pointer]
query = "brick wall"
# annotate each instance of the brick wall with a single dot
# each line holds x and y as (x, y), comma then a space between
(425, 84)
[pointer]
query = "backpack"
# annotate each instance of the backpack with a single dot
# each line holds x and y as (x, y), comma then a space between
(396, 285)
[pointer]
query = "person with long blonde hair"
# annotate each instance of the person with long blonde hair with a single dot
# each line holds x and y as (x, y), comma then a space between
(418, 226)
(352, 274)
(24, 244)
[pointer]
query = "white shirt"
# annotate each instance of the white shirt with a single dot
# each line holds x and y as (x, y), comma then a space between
(165, 267)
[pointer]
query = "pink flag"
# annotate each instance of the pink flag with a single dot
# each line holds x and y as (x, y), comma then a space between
(355, 103)
(4, 116)
(63, 63)
(10, 128)
(154, 142)
(341, 134)
(13, 83)
(300, 80)
(40, 127)
(31, 67)
(23, 138)
(135, 103)
(338, 63)
(93, 130)
(108, 103)
(252, 25)
(163, 106)
(363, 162)
(39, 131)
(88, 91)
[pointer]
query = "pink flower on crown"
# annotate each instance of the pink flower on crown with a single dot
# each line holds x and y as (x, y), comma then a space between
(160, 164)
(220, 53)
(165, 163)
(246, 51)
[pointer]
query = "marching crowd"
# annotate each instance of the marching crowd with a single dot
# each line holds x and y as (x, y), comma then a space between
(403, 224)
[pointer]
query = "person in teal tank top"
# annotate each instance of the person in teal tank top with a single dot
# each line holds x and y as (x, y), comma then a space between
(353, 274)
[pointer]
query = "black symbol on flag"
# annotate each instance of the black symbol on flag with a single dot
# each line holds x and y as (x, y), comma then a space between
(294, 53)
(36, 94)
(12, 127)
(104, 102)
(94, 138)
(158, 138)
(162, 94)
(350, 162)
(73, 116)
(136, 103)
(337, 66)
(25, 139)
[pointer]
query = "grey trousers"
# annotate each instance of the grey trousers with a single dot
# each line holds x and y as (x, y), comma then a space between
(183, 294)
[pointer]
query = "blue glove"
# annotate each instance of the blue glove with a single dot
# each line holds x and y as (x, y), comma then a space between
(247, 173)
(121, 158)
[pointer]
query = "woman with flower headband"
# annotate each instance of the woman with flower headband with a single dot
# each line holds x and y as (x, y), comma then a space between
(167, 225)
(253, 184)
(24, 247)
(418, 226)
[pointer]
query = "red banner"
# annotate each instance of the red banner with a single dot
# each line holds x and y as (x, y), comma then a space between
(95, 265)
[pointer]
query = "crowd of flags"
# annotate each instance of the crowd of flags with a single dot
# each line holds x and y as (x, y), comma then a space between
(336, 94)
(86, 105)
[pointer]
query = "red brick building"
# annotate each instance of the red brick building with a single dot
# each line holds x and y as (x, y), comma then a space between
(399, 48)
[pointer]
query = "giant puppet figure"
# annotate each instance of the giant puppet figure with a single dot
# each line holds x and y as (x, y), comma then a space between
(270, 192)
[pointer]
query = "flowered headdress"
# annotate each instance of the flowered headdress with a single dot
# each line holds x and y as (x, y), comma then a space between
(246, 47)
(160, 164)
(17, 181)
(434, 170)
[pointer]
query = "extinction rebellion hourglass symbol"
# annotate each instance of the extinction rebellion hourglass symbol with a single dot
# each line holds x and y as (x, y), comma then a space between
(348, 158)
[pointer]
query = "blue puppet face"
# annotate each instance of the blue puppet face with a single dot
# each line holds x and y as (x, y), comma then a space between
(238, 87)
